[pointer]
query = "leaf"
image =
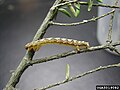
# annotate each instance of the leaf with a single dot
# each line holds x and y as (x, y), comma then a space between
(77, 11)
(77, 5)
(90, 3)
(64, 11)
(67, 71)
(100, 1)
(71, 9)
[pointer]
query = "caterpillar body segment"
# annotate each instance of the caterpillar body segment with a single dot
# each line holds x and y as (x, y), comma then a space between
(78, 45)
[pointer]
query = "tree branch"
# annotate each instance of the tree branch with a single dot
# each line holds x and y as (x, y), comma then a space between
(27, 59)
(109, 39)
(73, 52)
(83, 22)
(79, 76)
(86, 3)
(29, 54)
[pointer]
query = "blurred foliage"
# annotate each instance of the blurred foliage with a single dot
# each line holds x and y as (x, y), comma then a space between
(73, 9)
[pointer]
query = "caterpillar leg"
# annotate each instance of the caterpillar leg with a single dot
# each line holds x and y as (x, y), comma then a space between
(78, 48)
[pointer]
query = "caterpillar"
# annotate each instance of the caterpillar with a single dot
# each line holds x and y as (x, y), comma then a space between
(35, 45)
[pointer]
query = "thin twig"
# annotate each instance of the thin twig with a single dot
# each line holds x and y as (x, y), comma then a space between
(86, 3)
(79, 76)
(109, 39)
(83, 22)
(73, 52)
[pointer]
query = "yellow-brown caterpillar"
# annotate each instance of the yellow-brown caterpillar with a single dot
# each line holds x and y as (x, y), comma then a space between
(35, 45)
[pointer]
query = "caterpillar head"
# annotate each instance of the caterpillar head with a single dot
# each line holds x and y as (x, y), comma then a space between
(32, 46)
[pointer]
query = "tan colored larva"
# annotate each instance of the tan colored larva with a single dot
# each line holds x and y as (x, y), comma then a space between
(35, 45)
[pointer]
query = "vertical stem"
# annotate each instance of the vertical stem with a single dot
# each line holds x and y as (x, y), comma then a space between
(109, 39)
(29, 54)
